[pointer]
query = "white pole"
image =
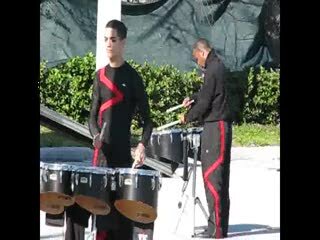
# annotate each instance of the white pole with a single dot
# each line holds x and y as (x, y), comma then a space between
(107, 10)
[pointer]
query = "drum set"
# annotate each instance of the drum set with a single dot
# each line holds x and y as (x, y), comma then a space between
(62, 185)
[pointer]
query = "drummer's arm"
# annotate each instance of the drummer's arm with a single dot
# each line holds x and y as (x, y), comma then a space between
(194, 96)
(95, 105)
(144, 111)
(204, 99)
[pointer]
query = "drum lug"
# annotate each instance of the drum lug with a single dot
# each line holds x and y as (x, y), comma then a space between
(153, 183)
(45, 175)
(158, 140)
(196, 141)
(160, 183)
(171, 137)
(113, 183)
(105, 180)
(60, 176)
(77, 179)
(90, 180)
(120, 180)
(72, 181)
(190, 140)
(136, 180)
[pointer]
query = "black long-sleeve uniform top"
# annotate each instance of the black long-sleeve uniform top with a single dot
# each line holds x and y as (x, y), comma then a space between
(211, 102)
(122, 95)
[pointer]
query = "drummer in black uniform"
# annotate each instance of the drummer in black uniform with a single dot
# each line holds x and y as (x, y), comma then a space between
(211, 106)
(118, 94)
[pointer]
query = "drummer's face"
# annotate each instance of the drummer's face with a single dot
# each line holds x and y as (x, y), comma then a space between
(199, 57)
(113, 43)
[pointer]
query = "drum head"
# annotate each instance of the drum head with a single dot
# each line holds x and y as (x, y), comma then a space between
(93, 205)
(136, 211)
(167, 131)
(134, 171)
(56, 198)
(51, 208)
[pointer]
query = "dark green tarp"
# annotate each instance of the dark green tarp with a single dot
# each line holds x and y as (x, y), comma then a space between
(244, 33)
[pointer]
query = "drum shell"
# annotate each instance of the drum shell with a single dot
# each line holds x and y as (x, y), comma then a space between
(168, 146)
(57, 181)
(191, 150)
(140, 192)
(98, 188)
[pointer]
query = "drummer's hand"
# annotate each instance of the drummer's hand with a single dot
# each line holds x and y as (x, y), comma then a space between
(103, 162)
(187, 102)
(139, 156)
(182, 118)
(96, 141)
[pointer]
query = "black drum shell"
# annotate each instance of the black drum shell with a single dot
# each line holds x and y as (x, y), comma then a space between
(168, 146)
(98, 188)
(62, 183)
(191, 150)
(142, 192)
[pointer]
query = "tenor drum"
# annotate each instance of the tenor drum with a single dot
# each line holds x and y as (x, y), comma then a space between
(167, 144)
(138, 194)
(92, 186)
(194, 140)
(55, 187)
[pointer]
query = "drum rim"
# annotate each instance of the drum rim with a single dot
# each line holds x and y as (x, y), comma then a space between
(144, 172)
(195, 129)
(167, 131)
(95, 170)
(55, 166)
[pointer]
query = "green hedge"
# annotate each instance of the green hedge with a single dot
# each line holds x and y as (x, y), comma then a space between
(255, 95)
(262, 97)
(67, 89)
(166, 87)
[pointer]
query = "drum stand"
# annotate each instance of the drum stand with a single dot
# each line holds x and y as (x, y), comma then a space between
(195, 145)
(93, 233)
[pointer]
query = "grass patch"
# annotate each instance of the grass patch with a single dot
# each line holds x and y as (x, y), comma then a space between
(51, 138)
(255, 135)
(243, 135)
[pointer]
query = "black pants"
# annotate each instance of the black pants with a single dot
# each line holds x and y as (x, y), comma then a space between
(115, 224)
(76, 220)
(216, 143)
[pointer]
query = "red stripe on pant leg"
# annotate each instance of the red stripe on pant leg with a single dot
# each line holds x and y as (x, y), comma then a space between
(95, 157)
(210, 170)
(102, 235)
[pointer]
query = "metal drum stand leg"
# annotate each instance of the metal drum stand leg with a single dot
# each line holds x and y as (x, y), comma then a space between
(93, 233)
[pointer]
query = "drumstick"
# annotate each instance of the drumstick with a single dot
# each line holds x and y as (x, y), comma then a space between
(176, 107)
(102, 131)
(96, 150)
(168, 125)
(134, 164)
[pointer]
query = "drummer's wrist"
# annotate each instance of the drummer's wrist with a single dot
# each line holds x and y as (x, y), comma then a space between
(141, 144)
(95, 136)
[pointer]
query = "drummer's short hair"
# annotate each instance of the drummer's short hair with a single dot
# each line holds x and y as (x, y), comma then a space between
(119, 26)
(201, 43)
